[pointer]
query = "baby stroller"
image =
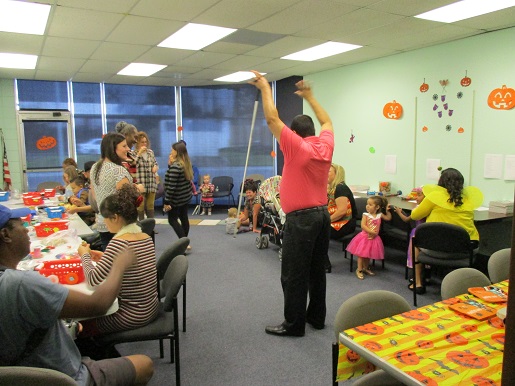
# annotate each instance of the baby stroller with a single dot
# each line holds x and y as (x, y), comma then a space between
(272, 229)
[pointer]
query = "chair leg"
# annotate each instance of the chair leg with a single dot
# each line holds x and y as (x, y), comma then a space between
(161, 350)
(415, 283)
(336, 349)
(184, 306)
(174, 349)
(351, 262)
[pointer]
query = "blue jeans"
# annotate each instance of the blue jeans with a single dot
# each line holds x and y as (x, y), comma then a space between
(304, 249)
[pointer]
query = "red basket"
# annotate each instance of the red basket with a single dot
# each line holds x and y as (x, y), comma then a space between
(32, 200)
(50, 227)
(68, 271)
(48, 193)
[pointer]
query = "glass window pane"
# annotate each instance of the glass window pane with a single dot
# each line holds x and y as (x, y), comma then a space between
(216, 122)
(150, 108)
(88, 121)
(42, 95)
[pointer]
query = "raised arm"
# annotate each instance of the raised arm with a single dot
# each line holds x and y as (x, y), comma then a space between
(78, 304)
(304, 91)
(271, 114)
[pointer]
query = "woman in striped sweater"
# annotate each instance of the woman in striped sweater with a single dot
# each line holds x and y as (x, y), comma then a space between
(178, 190)
(137, 299)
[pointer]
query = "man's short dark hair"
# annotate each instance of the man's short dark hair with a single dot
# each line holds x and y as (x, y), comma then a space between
(303, 125)
(88, 165)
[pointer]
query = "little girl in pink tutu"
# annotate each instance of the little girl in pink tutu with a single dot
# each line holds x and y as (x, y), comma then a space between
(367, 244)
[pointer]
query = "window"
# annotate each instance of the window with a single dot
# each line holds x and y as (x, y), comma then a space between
(42, 95)
(216, 126)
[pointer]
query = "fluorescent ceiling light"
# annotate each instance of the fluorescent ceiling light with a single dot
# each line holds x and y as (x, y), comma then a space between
(141, 69)
(237, 76)
(321, 51)
(465, 9)
(22, 61)
(195, 36)
(23, 18)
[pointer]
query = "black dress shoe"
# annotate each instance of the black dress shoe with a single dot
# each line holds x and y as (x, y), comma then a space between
(328, 268)
(316, 326)
(280, 330)
(420, 290)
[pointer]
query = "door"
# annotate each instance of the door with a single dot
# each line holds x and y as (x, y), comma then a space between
(46, 140)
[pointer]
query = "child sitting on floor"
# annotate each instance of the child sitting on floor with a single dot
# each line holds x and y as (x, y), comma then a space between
(231, 222)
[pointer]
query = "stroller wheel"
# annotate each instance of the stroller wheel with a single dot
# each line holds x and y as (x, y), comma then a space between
(260, 242)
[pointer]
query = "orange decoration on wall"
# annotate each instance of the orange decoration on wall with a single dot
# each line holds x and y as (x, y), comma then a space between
(179, 128)
(461, 130)
(392, 110)
(424, 129)
(272, 154)
(424, 86)
(502, 98)
(46, 143)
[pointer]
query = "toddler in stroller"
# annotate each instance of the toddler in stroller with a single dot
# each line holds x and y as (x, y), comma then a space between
(273, 216)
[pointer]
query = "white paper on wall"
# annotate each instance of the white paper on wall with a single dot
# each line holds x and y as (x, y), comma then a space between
(493, 166)
(432, 172)
(509, 167)
(390, 164)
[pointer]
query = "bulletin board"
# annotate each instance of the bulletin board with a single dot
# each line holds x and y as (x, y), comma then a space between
(444, 128)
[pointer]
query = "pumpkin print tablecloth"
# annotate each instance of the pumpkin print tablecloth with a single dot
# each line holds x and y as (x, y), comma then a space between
(433, 344)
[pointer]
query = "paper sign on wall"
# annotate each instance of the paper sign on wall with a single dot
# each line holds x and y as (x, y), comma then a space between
(432, 172)
(509, 167)
(390, 164)
(493, 166)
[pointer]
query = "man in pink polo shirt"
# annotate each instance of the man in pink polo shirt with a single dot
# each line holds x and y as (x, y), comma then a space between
(307, 159)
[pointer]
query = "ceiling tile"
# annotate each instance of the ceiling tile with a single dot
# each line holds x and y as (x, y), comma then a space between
(229, 48)
(408, 7)
(161, 55)
(59, 64)
(117, 51)
(74, 48)
(21, 43)
(118, 6)
(93, 25)
(207, 58)
(285, 46)
(143, 30)
(103, 66)
(241, 63)
(183, 10)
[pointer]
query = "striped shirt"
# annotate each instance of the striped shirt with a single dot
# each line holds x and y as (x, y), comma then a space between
(137, 300)
(178, 189)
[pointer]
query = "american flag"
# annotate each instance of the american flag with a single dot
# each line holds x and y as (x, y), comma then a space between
(7, 174)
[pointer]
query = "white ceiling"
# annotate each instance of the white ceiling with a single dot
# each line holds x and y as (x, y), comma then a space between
(91, 40)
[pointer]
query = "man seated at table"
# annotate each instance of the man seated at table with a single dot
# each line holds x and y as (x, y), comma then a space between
(31, 307)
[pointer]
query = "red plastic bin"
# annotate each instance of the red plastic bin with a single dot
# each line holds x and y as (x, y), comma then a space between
(32, 200)
(48, 193)
(68, 271)
(50, 227)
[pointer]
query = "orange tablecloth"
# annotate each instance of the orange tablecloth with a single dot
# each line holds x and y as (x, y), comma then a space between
(433, 344)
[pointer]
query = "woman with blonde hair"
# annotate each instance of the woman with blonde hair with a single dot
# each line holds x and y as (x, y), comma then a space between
(178, 189)
(341, 206)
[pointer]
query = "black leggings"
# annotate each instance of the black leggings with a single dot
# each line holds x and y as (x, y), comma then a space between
(179, 212)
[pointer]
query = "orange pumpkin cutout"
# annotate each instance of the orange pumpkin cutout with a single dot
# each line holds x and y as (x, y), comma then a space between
(392, 110)
(502, 98)
(469, 327)
(422, 378)
(496, 322)
(425, 344)
(482, 381)
(456, 339)
(424, 129)
(499, 338)
(422, 330)
(467, 359)
(372, 346)
(461, 130)
(424, 87)
(353, 356)
(370, 329)
(407, 357)
(415, 315)
(46, 143)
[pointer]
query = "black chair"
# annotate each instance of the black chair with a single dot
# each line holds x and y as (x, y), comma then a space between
(165, 325)
(441, 244)
(177, 248)
(223, 188)
(30, 376)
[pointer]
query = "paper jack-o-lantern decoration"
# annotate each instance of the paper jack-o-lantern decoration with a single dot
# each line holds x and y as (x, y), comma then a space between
(466, 81)
(502, 98)
(467, 359)
(392, 110)
(422, 378)
(424, 86)
(46, 143)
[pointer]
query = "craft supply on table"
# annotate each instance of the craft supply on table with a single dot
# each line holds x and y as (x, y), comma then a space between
(473, 309)
(491, 294)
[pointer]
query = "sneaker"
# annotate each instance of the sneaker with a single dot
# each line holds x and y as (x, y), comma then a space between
(209, 214)
(201, 213)
(359, 274)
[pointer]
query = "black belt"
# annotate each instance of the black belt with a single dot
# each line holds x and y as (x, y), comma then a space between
(307, 210)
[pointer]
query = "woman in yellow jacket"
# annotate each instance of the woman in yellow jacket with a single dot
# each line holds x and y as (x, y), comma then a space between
(451, 203)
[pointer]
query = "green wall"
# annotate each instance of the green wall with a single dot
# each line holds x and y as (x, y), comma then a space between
(354, 97)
